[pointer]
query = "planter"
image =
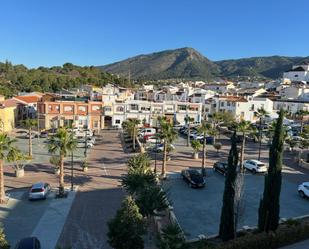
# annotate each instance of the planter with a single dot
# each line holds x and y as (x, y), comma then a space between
(19, 173)
(57, 171)
(195, 155)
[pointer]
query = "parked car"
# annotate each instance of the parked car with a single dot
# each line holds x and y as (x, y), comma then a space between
(160, 147)
(147, 132)
(220, 167)
(33, 135)
(153, 140)
(255, 166)
(44, 134)
(193, 177)
(29, 243)
(303, 190)
(39, 190)
(198, 137)
(82, 144)
(91, 140)
(209, 140)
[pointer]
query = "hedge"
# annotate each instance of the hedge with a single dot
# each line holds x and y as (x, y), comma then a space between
(285, 235)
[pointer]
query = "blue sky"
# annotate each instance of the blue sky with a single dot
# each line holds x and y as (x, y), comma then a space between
(97, 32)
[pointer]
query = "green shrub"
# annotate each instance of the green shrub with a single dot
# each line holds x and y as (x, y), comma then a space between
(285, 235)
(3, 242)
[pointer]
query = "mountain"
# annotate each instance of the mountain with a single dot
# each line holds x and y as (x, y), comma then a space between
(187, 63)
(178, 63)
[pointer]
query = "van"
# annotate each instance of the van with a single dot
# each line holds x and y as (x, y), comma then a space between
(147, 132)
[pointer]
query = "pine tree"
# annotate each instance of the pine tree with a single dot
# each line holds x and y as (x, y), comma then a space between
(127, 227)
(270, 204)
(227, 223)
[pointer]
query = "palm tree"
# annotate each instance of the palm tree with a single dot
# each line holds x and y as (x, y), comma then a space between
(140, 162)
(167, 135)
(245, 128)
(62, 142)
(204, 128)
(6, 147)
(188, 121)
(29, 124)
(261, 113)
(132, 125)
(221, 117)
(301, 114)
(196, 146)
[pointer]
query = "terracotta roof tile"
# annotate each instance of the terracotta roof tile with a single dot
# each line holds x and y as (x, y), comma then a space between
(28, 99)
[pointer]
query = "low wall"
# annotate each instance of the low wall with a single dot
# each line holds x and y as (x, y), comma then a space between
(303, 164)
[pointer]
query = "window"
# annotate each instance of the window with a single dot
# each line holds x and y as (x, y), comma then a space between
(228, 103)
(50, 107)
(182, 107)
(144, 108)
(117, 121)
(222, 104)
(96, 124)
(82, 108)
(134, 107)
(68, 108)
(96, 108)
(119, 109)
(107, 109)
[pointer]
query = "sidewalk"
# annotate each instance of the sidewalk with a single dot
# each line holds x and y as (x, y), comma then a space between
(300, 245)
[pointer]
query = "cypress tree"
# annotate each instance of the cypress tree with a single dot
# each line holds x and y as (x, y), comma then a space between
(269, 208)
(227, 222)
(127, 227)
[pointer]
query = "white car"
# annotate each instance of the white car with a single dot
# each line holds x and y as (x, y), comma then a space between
(303, 189)
(198, 137)
(255, 166)
(82, 144)
(153, 140)
(160, 147)
(39, 190)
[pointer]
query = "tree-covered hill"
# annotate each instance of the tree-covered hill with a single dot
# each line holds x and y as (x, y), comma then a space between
(187, 63)
(18, 78)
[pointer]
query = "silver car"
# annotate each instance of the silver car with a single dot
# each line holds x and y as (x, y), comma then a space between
(39, 190)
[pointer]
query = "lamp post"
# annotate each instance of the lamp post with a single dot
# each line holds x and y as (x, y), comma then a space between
(85, 152)
(156, 151)
(72, 170)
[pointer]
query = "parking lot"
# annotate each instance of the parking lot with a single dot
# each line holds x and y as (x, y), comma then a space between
(198, 210)
(42, 218)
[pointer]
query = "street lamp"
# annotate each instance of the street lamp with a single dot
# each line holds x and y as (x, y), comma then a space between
(85, 152)
(72, 170)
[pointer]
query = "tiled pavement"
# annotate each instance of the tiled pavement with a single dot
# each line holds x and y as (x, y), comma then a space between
(98, 198)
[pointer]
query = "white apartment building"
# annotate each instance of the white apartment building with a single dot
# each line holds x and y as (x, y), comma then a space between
(240, 107)
(291, 105)
(248, 84)
(220, 88)
(294, 91)
(148, 112)
(298, 73)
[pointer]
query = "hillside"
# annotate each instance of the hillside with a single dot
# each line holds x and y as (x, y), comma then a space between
(190, 64)
(18, 78)
(178, 63)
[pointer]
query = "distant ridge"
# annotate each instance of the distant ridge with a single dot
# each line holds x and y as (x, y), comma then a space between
(188, 63)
